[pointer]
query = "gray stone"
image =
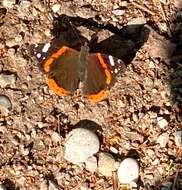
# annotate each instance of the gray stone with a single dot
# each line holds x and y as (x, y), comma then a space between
(80, 144)
(178, 138)
(128, 171)
(5, 102)
(6, 79)
(106, 164)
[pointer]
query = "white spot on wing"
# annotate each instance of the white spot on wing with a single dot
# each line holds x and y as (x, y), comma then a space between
(46, 47)
(111, 60)
(115, 71)
(38, 55)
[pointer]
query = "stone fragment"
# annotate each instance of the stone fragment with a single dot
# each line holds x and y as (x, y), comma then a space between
(5, 103)
(163, 139)
(7, 79)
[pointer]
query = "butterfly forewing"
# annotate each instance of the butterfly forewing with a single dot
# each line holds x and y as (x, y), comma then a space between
(115, 65)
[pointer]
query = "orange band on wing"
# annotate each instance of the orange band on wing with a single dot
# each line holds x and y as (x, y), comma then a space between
(47, 64)
(98, 97)
(55, 55)
(56, 88)
(104, 65)
(59, 52)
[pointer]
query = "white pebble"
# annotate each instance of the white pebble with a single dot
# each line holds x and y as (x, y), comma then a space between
(56, 8)
(80, 144)
(118, 12)
(114, 150)
(128, 171)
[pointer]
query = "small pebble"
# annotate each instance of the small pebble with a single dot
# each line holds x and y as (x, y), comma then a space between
(24, 5)
(137, 21)
(8, 3)
(80, 144)
(11, 52)
(162, 122)
(84, 187)
(178, 138)
(47, 32)
(128, 171)
(135, 117)
(6, 79)
(56, 138)
(118, 12)
(56, 8)
(18, 38)
(163, 139)
(5, 102)
(91, 164)
(114, 150)
(24, 86)
(52, 186)
(106, 164)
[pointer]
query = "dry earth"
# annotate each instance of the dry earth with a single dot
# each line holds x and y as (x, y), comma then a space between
(140, 116)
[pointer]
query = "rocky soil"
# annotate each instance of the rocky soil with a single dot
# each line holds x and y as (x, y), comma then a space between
(140, 119)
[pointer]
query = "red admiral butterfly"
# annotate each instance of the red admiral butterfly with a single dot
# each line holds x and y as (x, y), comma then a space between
(67, 70)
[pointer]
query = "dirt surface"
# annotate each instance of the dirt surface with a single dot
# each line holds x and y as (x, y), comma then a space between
(144, 103)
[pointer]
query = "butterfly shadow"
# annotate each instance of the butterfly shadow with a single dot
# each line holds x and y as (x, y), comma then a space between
(120, 43)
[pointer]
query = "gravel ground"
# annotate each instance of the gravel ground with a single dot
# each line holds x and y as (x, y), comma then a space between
(141, 117)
